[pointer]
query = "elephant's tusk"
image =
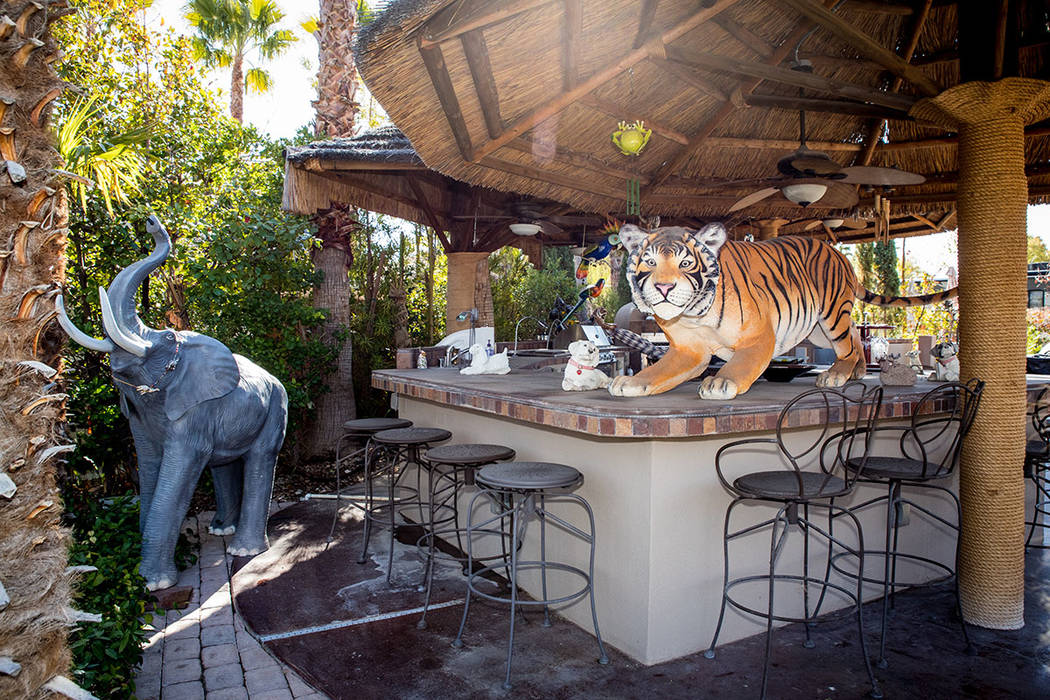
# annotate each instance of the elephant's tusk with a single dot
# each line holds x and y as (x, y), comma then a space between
(77, 335)
(133, 344)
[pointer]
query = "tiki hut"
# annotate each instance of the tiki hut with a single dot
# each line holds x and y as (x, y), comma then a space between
(524, 97)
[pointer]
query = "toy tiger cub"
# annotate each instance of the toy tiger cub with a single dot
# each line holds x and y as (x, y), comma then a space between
(745, 303)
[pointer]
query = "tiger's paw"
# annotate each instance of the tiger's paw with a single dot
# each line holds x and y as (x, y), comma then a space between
(629, 386)
(718, 388)
(831, 379)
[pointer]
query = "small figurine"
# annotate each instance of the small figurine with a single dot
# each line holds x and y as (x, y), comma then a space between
(895, 373)
(946, 362)
(482, 363)
(421, 361)
(582, 373)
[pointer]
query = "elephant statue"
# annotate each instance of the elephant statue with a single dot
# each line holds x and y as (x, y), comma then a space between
(190, 402)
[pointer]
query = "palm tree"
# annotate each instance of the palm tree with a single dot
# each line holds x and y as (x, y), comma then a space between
(335, 114)
(228, 31)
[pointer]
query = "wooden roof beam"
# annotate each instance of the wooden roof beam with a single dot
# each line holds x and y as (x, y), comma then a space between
(570, 47)
(786, 76)
(434, 60)
(645, 21)
(574, 159)
(477, 54)
(745, 36)
(863, 44)
(432, 217)
(564, 99)
(448, 24)
(875, 131)
(615, 110)
(690, 78)
(812, 104)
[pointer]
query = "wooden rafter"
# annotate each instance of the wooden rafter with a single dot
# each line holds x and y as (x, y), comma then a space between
(567, 157)
(570, 46)
(448, 24)
(786, 76)
(615, 110)
(477, 54)
(432, 217)
(564, 99)
(909, 50)
(881, 7)
(813, 104)
(574, 183)
(645, 22)
(690, 78)
(434, 60)
(745, 36)
(863, 44)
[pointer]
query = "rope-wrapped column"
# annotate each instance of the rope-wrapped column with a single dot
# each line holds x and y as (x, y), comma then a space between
(992, 199)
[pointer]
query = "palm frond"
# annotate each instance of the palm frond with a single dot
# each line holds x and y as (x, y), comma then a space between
(258, 80)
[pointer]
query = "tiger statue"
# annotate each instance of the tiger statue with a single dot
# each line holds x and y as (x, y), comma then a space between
(744, 302)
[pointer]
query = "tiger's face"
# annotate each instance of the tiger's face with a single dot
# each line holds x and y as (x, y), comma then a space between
(674, 270)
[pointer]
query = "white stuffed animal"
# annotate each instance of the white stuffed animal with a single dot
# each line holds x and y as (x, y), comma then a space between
(481, 363)
(946, 362)
(582, 373)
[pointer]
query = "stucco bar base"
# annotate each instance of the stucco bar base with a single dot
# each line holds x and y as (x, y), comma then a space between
(659, 511)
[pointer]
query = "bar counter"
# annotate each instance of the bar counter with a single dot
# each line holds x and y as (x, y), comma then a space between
(648, 466)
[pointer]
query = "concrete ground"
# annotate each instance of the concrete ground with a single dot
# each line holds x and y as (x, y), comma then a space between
(205, 652)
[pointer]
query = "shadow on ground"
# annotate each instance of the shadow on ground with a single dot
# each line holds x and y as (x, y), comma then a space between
(299, 585)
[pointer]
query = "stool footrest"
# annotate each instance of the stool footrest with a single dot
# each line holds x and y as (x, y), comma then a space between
(526, 566)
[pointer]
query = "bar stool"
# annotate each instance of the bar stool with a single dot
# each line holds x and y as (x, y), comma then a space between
(402, 447)
(1037, 467)
(521, 490)
(449, 468)
(358, 429)
(795, 491)
(943, 415)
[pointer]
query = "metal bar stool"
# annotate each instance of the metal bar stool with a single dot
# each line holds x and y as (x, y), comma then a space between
(1037, 468)
(847, 413)
(358, 429)
(449, 468)
(521, 490)
(402, 447)
(942, 417)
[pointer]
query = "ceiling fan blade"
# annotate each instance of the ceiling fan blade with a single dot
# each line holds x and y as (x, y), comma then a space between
(549, 228)
(754, 198)
(886, 177)
(855, 224)
(573, 220)
(838, 196)
(812, 224)
(482, 217)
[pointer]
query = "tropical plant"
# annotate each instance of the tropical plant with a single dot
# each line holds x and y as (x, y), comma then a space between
(229, 31)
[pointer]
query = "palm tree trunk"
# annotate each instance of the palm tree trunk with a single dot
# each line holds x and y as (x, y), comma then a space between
(34, 585)
(237, 88)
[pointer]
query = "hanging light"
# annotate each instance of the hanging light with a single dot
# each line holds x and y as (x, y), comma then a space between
(805, 193)
(834, 223)
(524, 229)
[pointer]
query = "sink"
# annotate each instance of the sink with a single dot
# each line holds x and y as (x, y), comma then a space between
(540, 352)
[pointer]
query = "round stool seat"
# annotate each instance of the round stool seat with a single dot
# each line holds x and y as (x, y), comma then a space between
(469, 454)
(528, 475)
(411, 436)
(374, 425)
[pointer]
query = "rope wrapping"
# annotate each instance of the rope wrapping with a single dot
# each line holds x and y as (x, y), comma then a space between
(992, 199)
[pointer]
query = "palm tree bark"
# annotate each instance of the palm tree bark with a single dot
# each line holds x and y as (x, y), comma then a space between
(33, 545)
(237, 88)
(335, 113)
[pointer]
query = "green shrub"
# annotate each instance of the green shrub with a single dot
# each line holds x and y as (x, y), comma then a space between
(105, 654)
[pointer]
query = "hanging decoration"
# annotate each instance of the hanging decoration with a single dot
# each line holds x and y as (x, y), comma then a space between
(600, 250)
(631, 137)
(634, 197)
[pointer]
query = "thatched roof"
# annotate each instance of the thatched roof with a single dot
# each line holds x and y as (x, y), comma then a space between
(523, 97)
(382, 145)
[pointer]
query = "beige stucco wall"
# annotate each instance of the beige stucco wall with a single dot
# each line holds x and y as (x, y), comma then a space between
(659, 512)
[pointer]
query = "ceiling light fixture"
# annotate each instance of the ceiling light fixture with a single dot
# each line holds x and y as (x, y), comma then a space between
(804, 194)
(524, 229)
(834, 223)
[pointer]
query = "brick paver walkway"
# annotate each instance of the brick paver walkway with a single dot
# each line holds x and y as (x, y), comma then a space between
(204, 651)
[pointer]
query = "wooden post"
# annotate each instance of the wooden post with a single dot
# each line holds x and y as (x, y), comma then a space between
(992, 199)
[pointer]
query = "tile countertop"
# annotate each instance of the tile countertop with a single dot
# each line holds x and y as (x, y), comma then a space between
(536, 396)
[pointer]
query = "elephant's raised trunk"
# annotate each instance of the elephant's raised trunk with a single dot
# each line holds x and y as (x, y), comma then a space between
(122, 288)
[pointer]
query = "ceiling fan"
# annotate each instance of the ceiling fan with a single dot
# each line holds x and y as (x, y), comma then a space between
(527, 219)
(808, 176)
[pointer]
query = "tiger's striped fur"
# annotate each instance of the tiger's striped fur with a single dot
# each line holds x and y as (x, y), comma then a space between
(745, 303)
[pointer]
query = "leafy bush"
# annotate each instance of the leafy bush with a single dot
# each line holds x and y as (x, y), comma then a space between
(105, 654)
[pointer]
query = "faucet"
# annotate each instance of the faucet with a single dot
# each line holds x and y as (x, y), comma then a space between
(516, 325)
(451, 358)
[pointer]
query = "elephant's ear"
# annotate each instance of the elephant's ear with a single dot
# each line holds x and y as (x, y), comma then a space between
(206, 370)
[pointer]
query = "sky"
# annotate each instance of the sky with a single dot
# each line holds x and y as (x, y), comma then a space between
(287, 107)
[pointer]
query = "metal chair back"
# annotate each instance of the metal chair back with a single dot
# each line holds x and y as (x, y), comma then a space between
(1040, 415)
(954, 406)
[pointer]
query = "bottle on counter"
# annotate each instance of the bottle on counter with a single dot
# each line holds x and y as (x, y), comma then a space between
(489, 350)
(421, 361)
